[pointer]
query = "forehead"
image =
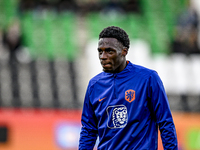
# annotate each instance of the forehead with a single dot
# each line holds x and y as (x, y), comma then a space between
(108, 42)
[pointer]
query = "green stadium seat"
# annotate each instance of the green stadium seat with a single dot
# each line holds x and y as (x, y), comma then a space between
(54, 35)
(50, 36)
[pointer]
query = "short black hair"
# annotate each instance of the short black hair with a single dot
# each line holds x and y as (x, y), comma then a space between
(116, 32)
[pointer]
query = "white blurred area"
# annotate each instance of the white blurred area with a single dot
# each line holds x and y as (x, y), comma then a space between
(180, 73)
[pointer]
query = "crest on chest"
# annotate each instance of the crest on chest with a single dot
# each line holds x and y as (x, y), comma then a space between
(117, 116)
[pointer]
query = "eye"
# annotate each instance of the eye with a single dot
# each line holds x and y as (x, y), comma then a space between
(110, 51)
(100, 51)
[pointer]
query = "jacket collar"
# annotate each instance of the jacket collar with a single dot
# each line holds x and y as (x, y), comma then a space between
(124, 72)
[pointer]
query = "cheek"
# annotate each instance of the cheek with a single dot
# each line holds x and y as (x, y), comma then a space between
(117, 60)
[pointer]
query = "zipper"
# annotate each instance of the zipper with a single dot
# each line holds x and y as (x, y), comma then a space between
(115, 89)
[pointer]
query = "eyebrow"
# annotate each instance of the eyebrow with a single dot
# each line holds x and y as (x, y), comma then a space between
(106, 49)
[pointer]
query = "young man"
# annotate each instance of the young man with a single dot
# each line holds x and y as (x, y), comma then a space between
(126, 103)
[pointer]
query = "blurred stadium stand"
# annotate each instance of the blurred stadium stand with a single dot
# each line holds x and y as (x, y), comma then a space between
(57, 39)
(54, 55)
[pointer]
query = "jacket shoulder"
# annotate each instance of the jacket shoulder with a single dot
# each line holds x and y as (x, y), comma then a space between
(143, 71)
(96, 78)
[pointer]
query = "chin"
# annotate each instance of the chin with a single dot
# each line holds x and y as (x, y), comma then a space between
(108, 71)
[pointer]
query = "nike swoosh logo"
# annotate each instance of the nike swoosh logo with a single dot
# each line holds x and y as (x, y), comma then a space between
(102, 99)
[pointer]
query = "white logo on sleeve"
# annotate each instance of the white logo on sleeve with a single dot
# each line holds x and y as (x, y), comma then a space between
(117, 116)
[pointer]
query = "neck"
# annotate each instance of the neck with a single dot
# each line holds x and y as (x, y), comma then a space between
(121, 67)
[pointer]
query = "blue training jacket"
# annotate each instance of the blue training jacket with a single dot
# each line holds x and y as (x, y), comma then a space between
(125, 110)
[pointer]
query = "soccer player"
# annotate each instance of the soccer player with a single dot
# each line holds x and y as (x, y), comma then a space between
(126, 104)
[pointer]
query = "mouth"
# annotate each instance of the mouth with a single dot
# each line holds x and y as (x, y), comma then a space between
(106, 65)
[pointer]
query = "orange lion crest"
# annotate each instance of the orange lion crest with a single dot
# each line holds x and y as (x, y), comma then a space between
(130, 95)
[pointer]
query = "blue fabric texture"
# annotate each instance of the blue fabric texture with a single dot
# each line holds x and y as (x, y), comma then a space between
(126, 110)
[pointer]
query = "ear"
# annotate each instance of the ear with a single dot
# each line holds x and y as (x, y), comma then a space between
(124, 52)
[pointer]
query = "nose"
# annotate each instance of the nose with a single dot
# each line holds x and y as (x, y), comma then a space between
(103, 55)
(121, 115)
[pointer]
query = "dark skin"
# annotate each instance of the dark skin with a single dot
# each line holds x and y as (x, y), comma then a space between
(112, 55)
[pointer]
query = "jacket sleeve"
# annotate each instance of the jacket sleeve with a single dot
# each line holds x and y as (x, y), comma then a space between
(89, 131)
(162, 113)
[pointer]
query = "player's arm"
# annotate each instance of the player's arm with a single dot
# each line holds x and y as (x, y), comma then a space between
(89, 132)
(162, 112)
